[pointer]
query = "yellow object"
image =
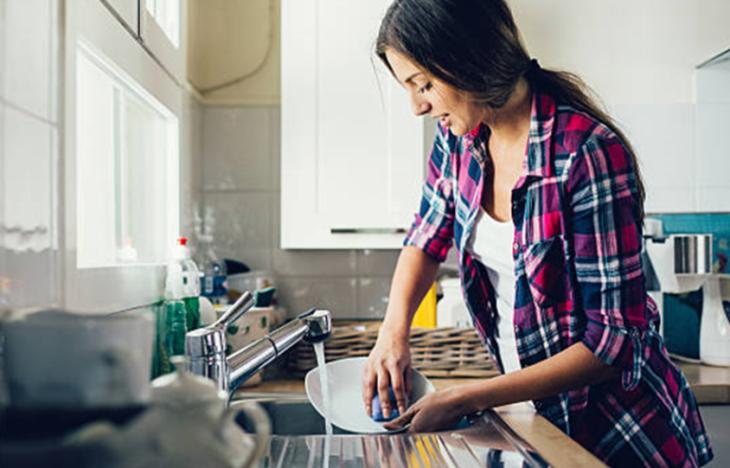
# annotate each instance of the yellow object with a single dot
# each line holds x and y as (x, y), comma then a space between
(425, 316)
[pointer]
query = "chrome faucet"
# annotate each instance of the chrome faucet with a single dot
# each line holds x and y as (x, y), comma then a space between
(206, 347)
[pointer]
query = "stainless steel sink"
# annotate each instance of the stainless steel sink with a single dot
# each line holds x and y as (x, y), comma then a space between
(298, 440)
(290, 416)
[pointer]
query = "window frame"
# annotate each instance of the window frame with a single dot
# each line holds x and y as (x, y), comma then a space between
(127, 10)
(108, 289)
(156, 40)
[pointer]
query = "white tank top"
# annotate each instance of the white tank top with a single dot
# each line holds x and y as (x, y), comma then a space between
(491, 244)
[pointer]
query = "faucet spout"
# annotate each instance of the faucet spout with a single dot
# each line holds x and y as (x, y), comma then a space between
(319, 325)
(312, 326)
(206, 347)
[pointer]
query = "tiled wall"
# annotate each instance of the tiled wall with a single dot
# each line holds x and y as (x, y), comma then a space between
(663, 136)
(241, 168)
(681, 146)
(645, 72)
(29, 153)
(713, 119)
(191, 178)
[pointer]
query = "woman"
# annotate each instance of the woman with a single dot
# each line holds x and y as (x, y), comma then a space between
(541, 194)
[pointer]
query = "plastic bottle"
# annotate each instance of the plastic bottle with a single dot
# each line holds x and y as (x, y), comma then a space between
(425, 316)
(213, 272)
(451, 309)
(191, 283)
(175, 314)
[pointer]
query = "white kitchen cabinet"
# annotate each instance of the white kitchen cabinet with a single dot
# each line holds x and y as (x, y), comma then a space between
(352, 153)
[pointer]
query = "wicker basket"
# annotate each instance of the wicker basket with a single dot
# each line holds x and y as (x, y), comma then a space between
(436, 352)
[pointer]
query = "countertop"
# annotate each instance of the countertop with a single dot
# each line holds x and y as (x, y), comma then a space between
(710, 385)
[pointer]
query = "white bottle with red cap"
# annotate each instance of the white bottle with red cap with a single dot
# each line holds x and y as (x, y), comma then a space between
(190, 279)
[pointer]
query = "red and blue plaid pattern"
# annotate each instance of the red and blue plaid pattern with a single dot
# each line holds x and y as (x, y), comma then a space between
(577, 250)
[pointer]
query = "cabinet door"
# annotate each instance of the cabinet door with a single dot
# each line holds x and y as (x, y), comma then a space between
(352, 152)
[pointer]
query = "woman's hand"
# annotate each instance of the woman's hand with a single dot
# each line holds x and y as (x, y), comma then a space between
(390, 360)
(388, 365)
(434, 412)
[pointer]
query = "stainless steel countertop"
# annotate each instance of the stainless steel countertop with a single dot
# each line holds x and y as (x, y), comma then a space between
(480, 445)
(488, 441)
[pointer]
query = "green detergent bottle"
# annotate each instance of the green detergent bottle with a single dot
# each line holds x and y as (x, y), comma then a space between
(191, 283)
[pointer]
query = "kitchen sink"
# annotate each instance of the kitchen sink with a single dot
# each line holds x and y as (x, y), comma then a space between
(289, 417)
(298, 439)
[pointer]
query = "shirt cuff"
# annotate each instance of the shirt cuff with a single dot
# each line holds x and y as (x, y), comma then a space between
(430, 243)
(625, 348)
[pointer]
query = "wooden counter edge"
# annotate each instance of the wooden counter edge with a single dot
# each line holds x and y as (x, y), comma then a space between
(710, 384)
(551, 443)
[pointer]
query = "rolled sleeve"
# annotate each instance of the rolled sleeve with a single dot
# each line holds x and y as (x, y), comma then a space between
(606, 228)
(433, 227)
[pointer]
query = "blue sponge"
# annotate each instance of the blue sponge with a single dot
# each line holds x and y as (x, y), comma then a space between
(378, 410)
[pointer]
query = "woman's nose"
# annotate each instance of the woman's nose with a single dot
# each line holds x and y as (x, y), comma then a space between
(419, 105)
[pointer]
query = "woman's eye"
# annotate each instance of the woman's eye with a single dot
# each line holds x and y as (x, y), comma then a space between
(425, 88)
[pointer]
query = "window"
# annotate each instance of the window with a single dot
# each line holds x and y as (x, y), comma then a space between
(162, 30)
(122, 117)
(167, 15)
(127, 167)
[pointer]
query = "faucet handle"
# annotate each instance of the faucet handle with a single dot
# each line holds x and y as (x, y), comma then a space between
(234, 312)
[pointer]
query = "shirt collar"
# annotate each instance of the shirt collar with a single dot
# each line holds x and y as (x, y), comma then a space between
(539, 149)
(475, 141)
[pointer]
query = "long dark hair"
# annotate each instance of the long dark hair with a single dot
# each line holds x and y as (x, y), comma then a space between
(475, 46)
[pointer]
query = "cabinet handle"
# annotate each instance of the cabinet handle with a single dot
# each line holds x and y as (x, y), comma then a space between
(368, 230)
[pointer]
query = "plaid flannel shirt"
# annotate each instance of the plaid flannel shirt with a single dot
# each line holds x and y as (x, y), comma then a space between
(577, 250)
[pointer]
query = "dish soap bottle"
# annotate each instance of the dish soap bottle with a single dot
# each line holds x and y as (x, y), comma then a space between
(191, 283)
(174, 312)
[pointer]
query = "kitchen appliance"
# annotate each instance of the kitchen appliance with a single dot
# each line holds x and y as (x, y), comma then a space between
(682, 263)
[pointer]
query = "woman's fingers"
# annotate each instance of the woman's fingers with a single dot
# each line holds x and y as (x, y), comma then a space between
(381, 378)
(399, 388)
(384, 375)
(369, 380)
(400, 421)
(383, 384)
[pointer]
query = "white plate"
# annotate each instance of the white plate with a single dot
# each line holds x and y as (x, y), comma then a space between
(345, 395)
